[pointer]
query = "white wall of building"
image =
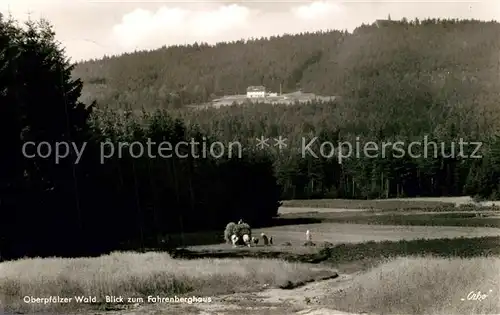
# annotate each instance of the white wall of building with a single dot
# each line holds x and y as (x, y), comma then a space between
(255, 94)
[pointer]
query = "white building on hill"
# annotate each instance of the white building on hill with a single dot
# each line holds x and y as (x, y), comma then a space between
(256, 91)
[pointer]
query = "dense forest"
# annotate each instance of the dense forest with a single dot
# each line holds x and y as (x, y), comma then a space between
(81, 205)
(400, 82)
(396, 81)
(437, 55)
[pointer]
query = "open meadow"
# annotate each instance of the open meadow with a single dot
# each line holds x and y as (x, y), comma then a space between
(420, 203)
(376, 267)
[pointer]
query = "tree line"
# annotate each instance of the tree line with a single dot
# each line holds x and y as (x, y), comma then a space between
(459, 159)
(401, 82)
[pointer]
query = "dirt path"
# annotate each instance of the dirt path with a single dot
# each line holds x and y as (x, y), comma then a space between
(303, 300)
(300, 301)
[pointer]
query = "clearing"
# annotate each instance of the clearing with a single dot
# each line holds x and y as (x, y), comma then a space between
(395, 203)
(338, 233)
(377, 267)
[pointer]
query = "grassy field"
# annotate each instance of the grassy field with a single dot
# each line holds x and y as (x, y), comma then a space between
(408, 277)
(457, 219)
(429, 204)
(353, 257)
(298, 222)
(211, 273)
(139, 275)
(338, 233)
(357, 233)
(423, 285)
(365, 204)
(388, 248)
(405, 277)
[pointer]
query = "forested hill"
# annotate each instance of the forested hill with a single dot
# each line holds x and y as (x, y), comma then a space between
(451, 59)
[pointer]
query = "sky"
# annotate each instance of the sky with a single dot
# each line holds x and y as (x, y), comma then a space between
(91, 29)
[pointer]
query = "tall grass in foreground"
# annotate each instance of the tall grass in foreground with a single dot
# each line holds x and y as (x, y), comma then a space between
(423, 285)
(137, 275)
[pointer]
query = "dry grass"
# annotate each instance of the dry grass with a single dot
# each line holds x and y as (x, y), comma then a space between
(423, 285)
(368, 204)
(137, 275)
(337, 233)
(489, 219)
(434, 204)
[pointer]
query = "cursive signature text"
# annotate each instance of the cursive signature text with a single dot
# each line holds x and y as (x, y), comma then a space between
(476, 296)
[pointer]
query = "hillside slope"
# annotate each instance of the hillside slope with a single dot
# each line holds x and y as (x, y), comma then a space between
(193, 74)
(457, 60)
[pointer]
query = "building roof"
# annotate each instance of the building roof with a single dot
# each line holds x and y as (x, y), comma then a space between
(258, 88)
